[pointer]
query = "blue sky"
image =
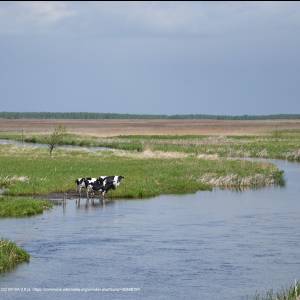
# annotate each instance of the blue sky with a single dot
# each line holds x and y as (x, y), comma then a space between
(154, 57)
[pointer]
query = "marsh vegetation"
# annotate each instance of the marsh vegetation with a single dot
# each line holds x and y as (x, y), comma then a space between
(279, 144)
(291, 293)
(29, 171)
(22, 206)
(152, 165)
(11, 255)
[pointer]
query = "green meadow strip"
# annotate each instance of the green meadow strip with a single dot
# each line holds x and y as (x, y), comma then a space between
(22, 206)
(29, 171)
(284, 144)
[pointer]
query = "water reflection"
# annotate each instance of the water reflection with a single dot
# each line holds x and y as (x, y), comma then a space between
(38, 145)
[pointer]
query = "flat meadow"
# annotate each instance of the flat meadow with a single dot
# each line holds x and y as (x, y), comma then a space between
(152, 164)
(31, 171)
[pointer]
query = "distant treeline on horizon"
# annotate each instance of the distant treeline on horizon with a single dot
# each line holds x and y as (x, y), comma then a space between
(94, 116)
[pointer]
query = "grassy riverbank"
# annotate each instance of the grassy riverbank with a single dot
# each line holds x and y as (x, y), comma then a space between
(22, 206)
(291, 293)
(284, 144)
(11, 255)
(28, 171)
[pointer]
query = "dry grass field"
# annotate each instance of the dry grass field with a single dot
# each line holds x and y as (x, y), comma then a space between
(102, 128)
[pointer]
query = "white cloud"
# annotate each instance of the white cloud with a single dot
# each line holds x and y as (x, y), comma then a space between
(193, 18)
(154, 17)
(131, 18)
(16, 17)
(47, 11)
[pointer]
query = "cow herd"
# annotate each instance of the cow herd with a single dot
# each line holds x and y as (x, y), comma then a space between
(102, 185)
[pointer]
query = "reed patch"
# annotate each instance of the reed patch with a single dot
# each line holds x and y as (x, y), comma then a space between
(290, 293)
(284, 144)
(11, 255)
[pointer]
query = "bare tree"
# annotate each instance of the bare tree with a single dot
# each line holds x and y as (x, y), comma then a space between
(56, 137)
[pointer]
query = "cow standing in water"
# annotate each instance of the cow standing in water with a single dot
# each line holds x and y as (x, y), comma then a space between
(82, 183)
(104, 184)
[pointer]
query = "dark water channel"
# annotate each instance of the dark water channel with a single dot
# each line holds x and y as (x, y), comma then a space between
(38, 145)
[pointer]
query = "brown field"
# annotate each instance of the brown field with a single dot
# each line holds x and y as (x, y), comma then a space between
(149, 127)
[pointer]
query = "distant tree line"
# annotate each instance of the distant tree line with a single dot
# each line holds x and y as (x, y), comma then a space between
(93, 116)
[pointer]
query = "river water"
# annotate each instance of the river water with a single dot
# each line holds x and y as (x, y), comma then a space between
(209, 245)
(43, 146)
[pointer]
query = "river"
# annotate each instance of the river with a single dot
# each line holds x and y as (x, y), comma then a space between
(43, 146)
(209, 245)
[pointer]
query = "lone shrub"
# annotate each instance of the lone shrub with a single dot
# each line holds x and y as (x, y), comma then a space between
(56, 137)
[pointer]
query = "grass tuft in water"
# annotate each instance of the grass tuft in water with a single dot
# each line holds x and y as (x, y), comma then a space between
(11, 255)
(291, 293)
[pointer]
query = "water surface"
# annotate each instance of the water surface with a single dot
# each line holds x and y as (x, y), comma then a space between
(209, 245)
(39, 145)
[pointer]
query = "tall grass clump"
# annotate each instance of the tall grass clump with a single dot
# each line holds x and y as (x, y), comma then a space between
(291, 293)
(11, 255)
(22, 207)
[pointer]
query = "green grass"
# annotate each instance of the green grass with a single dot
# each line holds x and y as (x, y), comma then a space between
(144, 177)
(283, 144)
(11, 255)
(76, 140)
(22, 207)
(291, 293)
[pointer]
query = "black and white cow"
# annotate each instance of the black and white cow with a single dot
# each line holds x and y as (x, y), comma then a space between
(115, 180)
(82, 183)
(103, 184)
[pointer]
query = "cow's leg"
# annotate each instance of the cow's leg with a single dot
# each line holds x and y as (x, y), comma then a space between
(79, 192)
(93, 198)
(103, 198)
(87, 195)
